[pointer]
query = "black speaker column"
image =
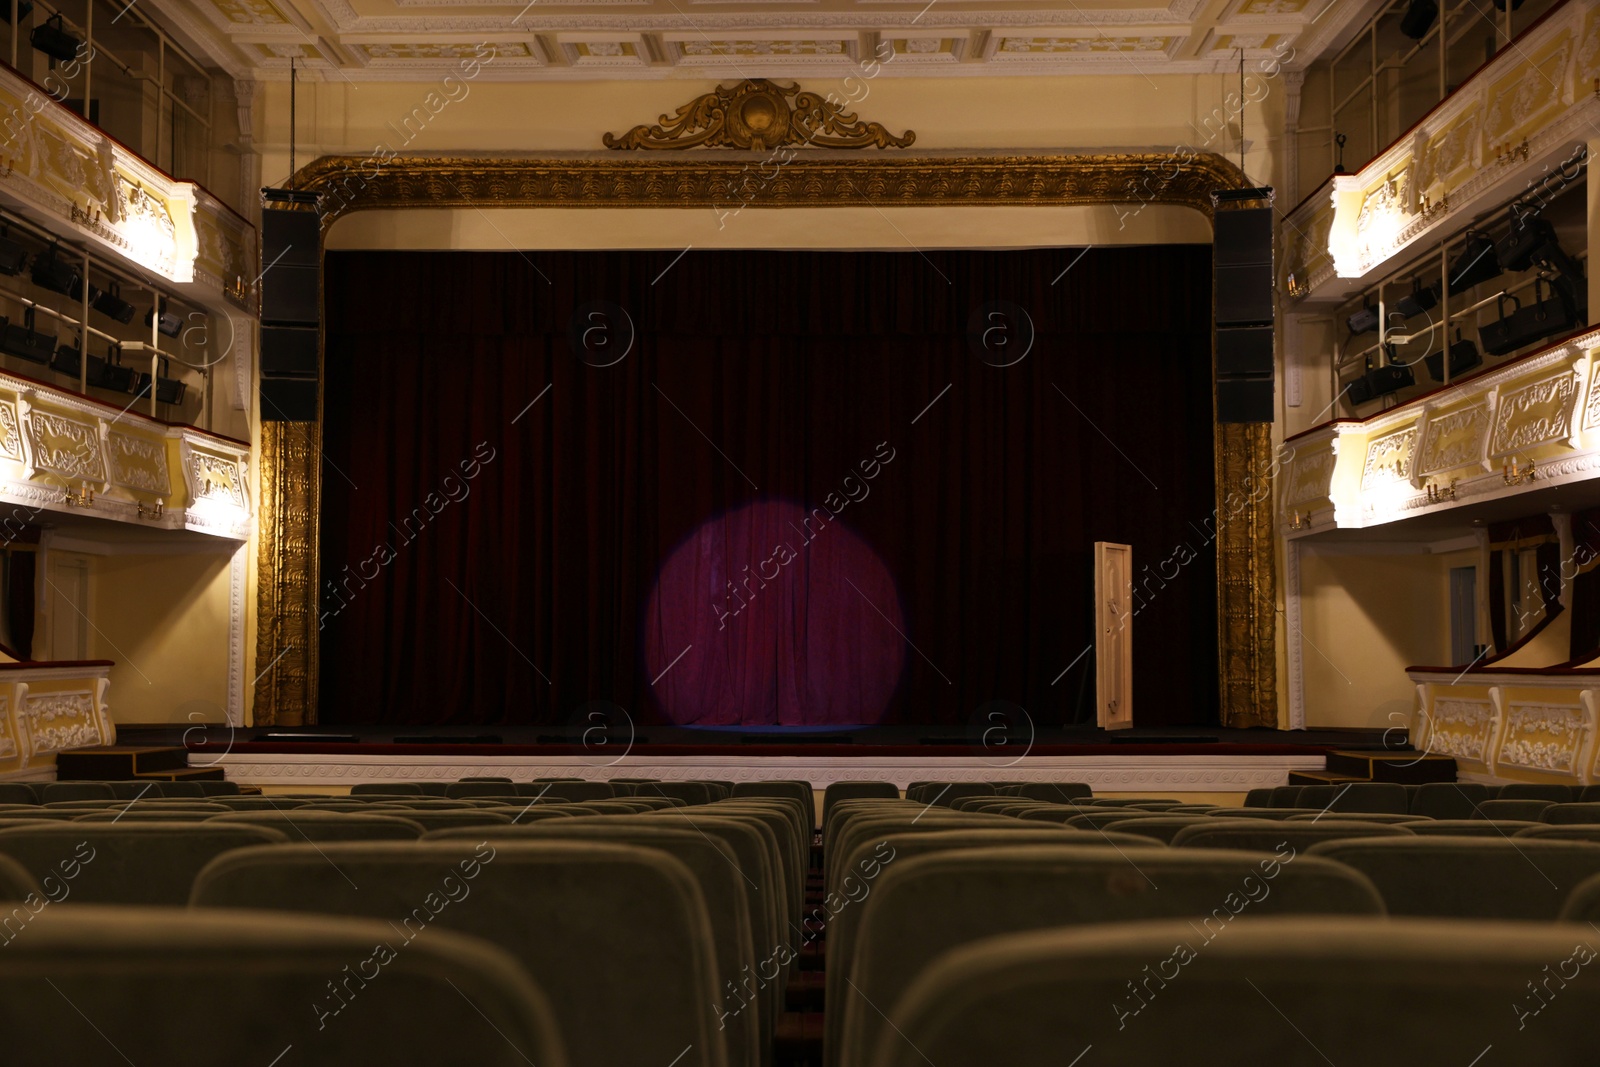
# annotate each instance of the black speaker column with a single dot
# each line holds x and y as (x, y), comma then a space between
(1242, 278)
(291, 315)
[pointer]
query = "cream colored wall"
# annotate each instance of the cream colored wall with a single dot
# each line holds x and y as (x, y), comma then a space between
(1071, 113)
(1365, 619)
(164, 620)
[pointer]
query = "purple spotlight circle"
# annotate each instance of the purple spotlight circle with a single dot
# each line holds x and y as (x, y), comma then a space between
(773, 615)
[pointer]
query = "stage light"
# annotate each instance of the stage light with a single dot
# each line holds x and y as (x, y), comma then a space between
(1381, 381)
(58, 277)
(52, 38)
(109, 303)
(1464, 356)
(13, 257)
(1363, 321)
(170, 325)
(1418, 18)
(1422, 298)
(1476, 263)
(1527, 236)
(1553, 311)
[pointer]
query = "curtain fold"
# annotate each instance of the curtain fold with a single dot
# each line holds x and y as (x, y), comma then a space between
(761, 488)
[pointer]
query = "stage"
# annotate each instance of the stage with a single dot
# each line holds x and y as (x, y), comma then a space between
(1165, 760)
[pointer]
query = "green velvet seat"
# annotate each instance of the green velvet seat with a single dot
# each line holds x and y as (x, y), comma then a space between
(1572, 813)
(617, 935)
(98, 985)
(15, 882)
(837, 791)
(309, 824)
(1099, 820)
(1055, 792)
(1162, 827)
(1470, 877)
(1286, 991)
(449, 820)
(1268, 836)
(926, 905)
(125, 862)
(480, 789)
(1566, 831)
(866, 865)
(1527, 810)
(715, 867)
(1336, 815)
(799, 791)
(1273, 813)
(1503, 828)
(386, 788)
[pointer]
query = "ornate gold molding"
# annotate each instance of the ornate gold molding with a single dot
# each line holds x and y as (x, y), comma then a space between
(286, 594)
(759, 114)
(1245, 558)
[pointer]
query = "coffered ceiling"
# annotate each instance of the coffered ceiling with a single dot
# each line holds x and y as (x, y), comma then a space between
(537, 39)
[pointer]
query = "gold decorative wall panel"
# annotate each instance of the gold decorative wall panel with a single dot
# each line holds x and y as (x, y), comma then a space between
(1245, 462)
(286, 597)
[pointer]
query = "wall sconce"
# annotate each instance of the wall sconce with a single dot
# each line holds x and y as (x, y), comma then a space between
(1515, 475)
(1298, 521)
(1431, 210)
(83, 498)
(1439, 496)
(153, 513)
(1507, 154)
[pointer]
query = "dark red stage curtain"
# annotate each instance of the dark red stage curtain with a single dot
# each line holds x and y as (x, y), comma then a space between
(762, 487)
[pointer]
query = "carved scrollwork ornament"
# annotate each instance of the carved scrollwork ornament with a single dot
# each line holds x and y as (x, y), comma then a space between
(758, 114)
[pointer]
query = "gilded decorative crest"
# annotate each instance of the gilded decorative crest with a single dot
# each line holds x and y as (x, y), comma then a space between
(759, 114)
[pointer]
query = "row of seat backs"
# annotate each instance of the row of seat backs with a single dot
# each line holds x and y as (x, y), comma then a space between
(771, 832)
(1439, 800)
(1284, 990)
(127, 985)
(46, 792)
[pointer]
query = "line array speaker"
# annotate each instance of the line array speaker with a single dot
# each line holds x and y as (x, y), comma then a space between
(291, 274)
(1242, 304)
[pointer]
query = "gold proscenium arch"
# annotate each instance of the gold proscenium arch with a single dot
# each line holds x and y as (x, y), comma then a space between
(1245, 461)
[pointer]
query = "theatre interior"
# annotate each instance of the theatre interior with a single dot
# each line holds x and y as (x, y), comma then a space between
(799, 533)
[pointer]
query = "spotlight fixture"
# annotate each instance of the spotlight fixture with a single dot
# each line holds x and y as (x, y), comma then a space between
(1464, 356)
(168, 390)
(1422, 298)
(1380, 381)
(1527, 235)
(13, 257)
(49, 272)
(1363, 321)
(1554, 310)
(170, 325)
(109, 303)
(1418, 19)
(1475, 264)
(51, 38)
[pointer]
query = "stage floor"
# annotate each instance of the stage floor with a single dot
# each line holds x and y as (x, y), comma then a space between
(1180, 759)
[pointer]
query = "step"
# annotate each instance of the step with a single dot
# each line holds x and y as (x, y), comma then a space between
(805, 991)
(1384, 766)
(797, 1039)
(112, 762)
(1321, 778)
(184, 774)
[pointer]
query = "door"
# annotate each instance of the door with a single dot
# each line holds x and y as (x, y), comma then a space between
(1113, 651)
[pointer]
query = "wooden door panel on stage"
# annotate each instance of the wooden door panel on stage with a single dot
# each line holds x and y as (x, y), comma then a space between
(1113, 620)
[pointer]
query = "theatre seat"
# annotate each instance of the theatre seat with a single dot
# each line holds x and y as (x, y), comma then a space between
(52, 792)
(1055, 792)
(927, 905)
(1561, 832)
(1094, 820)
(1162, 827)
(1583, 903)
(1477, 877)
(838, 791)
(449, 820)
(179, 988)
(1522, 809)
(578, 792)
(688, 792)
(1286, 796)
(17, 793)
(480, 789)
(1501, 828)
(1273, 991)
(15, 884)
(866, 864)
(1572, 813)
(1556, 794)
(1361, 816)
(1362, 797)
(715, 867)
(386, 788)
(1270, 836)
(309, 824)
(1258, 798)
(1275, 814)
(617, 935)
(125, 863)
